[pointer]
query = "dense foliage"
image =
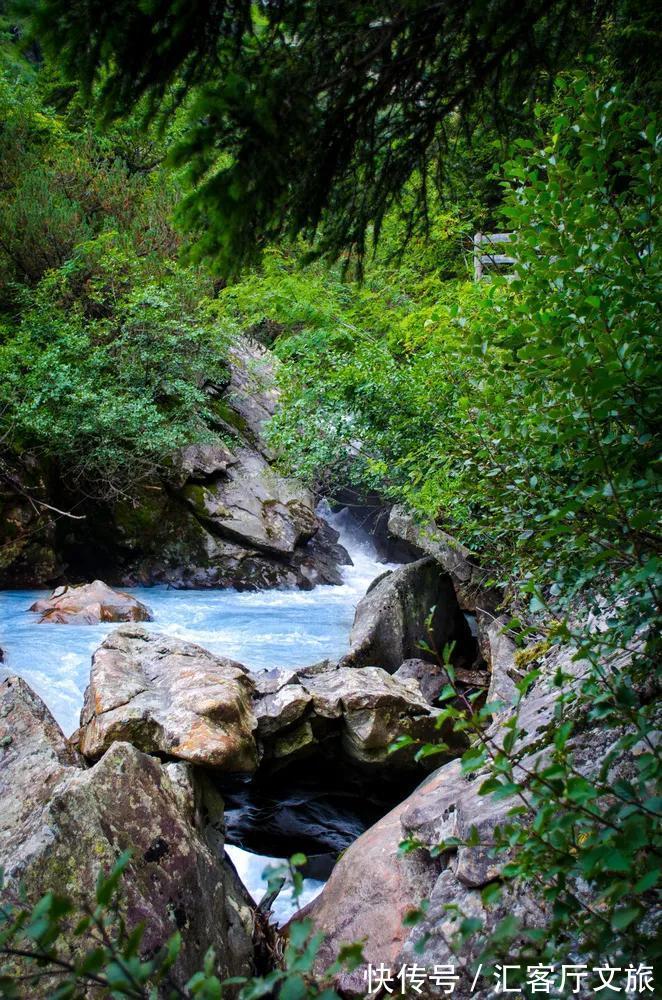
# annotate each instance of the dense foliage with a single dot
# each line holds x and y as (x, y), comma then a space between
(520, 414)
(309, 117)
(523, 415)
(105, 339)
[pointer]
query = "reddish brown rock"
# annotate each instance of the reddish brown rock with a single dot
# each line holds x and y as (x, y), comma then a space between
(90, 604)
(171, 697)
(369, 893)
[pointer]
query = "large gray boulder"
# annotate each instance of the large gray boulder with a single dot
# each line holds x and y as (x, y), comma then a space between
(170, 697)
(469, 578)
(391, 622)
(61, 824)
(253, 504)
(90, 604)
(34, 757)
(337, 710)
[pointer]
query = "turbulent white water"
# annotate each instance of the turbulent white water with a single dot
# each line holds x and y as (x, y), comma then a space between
(254, 869)
(274, 628)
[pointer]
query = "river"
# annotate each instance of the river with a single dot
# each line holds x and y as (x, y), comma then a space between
(263, 630)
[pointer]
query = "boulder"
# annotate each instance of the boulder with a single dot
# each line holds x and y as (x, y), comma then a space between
(90, 604)
(174, 698)
(370, 891)
(169, 697)
(390, 623)
(335, 710)
(351, 906)
(34, 757)
(61, 824)
(446, 805)
(500, 656)
(198, 461)
(255, 505)
(469, 579)
(373, 708)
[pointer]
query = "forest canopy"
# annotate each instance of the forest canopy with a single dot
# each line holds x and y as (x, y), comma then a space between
(312, 118)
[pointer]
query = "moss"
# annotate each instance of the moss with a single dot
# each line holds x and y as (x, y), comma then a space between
(224, 412)
(295, 741)
(196, 495)
(135, 521)
(525, 657)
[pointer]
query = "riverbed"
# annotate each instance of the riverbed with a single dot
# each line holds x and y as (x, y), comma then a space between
(262, 630)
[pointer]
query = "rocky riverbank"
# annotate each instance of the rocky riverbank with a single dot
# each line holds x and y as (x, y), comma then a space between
(218, 514)
(170, 734)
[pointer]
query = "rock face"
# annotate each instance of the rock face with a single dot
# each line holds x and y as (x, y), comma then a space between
(367, 896)
(60, 824)
(170, 697)
(469, 579)
(390, 621)
(219, 514)
(431, 678)
(90, 604)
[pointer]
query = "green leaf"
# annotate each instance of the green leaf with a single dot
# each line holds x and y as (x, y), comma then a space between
(624, 917)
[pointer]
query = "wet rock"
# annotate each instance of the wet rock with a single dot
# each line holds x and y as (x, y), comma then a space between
(170, 697)
(469, 579)
(61, 824)
(90, 604)
(320, 559)
(391, 621)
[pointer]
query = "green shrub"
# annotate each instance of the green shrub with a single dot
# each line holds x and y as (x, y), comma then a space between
(105, 371)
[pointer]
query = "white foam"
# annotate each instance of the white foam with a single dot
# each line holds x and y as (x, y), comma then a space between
(263, 630)
(253, 870)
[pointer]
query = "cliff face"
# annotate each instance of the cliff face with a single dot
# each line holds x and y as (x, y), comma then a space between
(218, 514)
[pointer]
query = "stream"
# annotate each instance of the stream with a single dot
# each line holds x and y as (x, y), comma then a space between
(263, 630)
